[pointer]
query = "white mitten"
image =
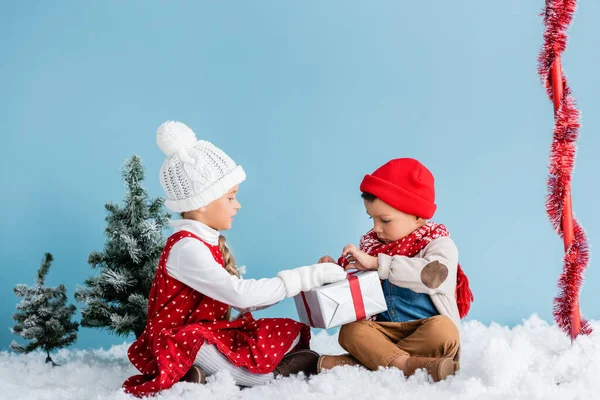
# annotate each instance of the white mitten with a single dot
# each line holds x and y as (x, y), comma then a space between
(306, 278)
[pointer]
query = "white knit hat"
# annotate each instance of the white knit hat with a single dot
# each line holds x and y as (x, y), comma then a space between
(195, 172)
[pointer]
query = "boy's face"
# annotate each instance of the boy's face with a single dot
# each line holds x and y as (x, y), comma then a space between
(390, 224)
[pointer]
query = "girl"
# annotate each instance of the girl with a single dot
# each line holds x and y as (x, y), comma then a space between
(425, 289)
(188, 333)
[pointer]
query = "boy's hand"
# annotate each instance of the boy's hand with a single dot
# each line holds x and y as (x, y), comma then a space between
(359, 259)
(325, 259)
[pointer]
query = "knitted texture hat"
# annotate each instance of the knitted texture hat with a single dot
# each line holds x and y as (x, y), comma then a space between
(405, 184)
(195, 172)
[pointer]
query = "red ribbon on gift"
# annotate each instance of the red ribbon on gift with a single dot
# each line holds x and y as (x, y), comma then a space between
(307, 310)
(357, 300)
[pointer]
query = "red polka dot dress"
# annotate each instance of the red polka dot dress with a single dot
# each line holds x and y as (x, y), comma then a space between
(181, 319)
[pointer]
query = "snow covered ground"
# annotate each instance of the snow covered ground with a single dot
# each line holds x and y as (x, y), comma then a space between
(530, 361)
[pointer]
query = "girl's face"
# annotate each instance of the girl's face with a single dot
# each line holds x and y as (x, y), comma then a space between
(218, 214)
(390, 224)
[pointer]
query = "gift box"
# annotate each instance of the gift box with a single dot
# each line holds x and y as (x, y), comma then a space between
(358, 297)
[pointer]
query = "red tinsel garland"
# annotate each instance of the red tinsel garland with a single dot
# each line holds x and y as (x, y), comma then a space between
(557, 17)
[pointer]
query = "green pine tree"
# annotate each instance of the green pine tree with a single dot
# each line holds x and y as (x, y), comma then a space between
(117, 298)
(43, 316)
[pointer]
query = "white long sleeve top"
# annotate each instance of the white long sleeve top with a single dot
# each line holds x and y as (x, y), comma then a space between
(192, 263)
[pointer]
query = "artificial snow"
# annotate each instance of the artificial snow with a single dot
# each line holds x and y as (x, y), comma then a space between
(534, 360)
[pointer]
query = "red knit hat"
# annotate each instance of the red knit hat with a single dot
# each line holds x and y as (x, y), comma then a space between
(405, 184)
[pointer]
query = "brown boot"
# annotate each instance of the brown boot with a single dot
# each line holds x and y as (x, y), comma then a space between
(328, 362)
(194, 375)
(296, 362)
(438, 368)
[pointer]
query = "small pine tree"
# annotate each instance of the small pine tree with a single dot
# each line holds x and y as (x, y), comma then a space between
(117, 298)
(43, 315)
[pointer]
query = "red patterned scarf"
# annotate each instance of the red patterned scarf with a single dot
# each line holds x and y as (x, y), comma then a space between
(409, 246)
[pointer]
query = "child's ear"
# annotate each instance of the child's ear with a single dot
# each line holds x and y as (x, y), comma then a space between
(421, 221)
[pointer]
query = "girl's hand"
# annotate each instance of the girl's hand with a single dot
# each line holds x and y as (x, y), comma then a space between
(325, 259)
(359, 259)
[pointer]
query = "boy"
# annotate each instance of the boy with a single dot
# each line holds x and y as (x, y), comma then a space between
(418, 265)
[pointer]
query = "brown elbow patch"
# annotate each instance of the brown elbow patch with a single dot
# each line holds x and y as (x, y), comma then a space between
(434, 274)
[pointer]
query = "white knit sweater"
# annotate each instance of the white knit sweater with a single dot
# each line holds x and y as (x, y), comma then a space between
(422, 274)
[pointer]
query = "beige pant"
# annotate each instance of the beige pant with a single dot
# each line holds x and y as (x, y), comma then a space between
(376, 344)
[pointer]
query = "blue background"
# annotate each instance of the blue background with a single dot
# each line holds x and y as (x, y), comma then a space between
(308, 97)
